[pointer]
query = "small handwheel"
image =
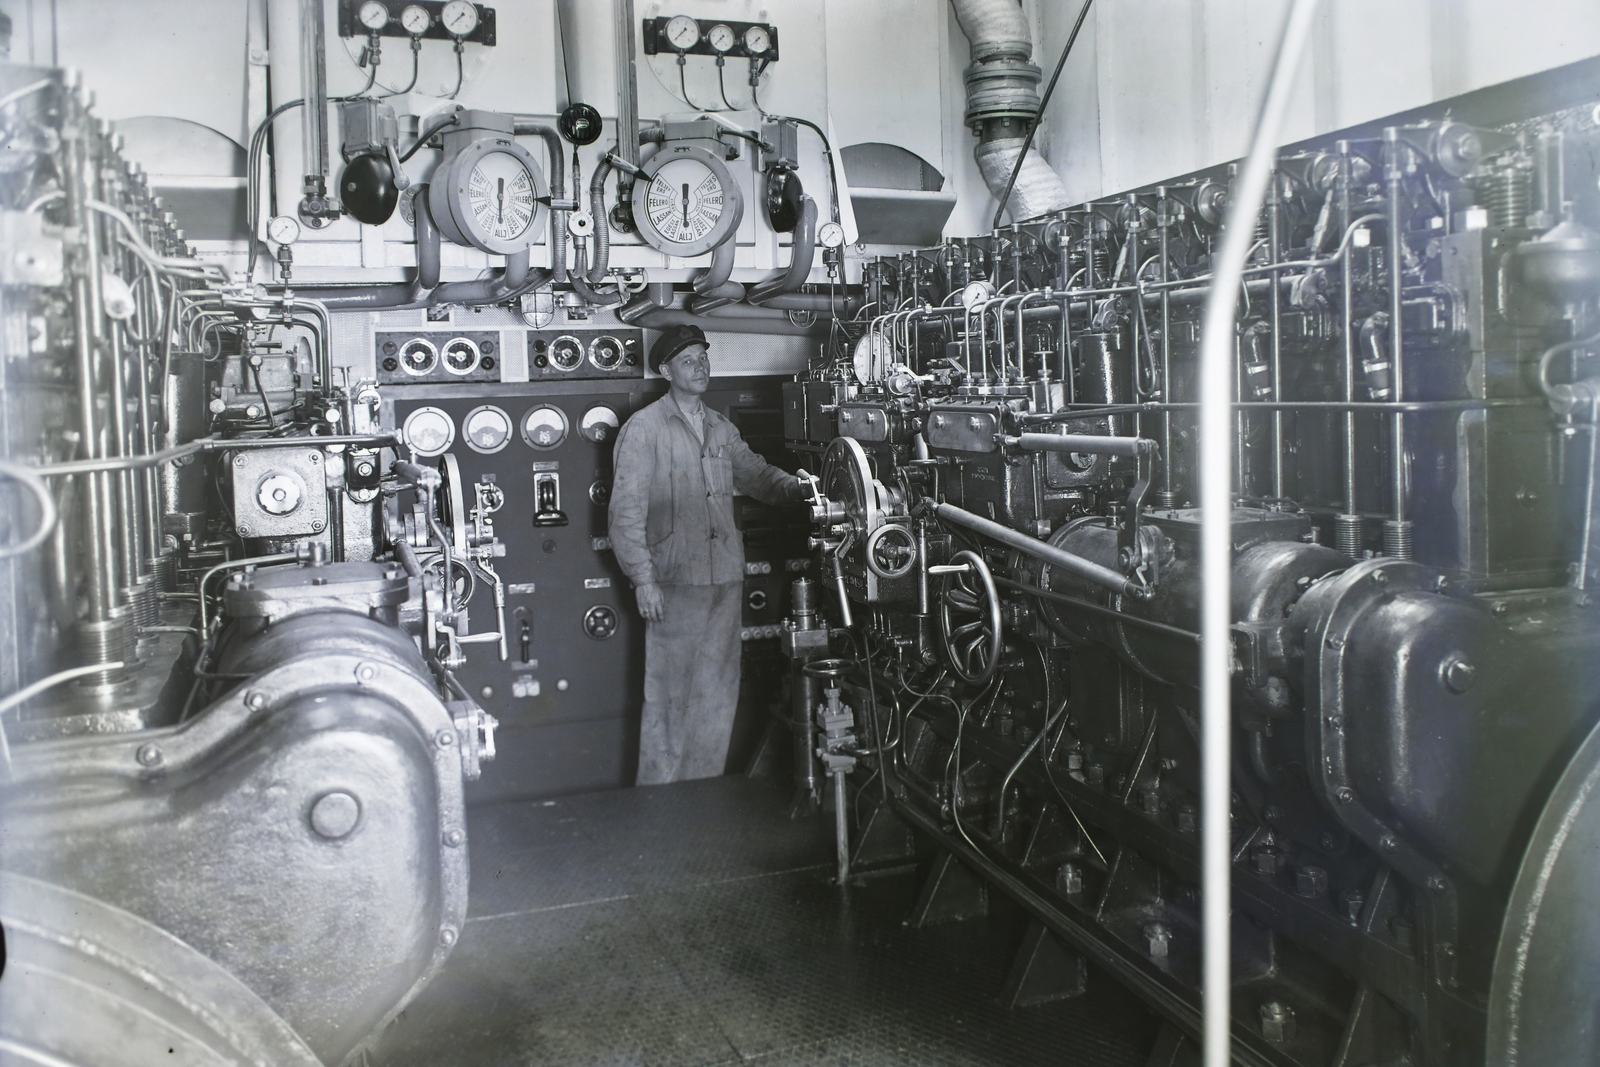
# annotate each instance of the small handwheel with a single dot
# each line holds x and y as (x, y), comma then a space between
(969, 619)
(891, 551)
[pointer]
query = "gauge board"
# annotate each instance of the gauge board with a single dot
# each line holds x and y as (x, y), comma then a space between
(420, 358)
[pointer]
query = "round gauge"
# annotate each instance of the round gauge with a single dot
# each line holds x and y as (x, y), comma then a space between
(757, 40)
(459, 17)
(721, 37)
(830, 235)
(492, 190)
(687, 203)
(868, 358)
(283, 230)
(460, 356)
(428, 432)
(599, 424)
(566, 353)
(374, 15)
(544, 428)
(419, 357)
(415, 20)
(486, 429)
(683, 32)
(975, 294)
(606, 352)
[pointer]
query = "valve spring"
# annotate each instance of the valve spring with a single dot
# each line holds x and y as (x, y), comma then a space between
(163, 572)
(143, 603)
(1165, 498)
(1397, 535)
(107, 641)
(1347, 536)
(1507, 195)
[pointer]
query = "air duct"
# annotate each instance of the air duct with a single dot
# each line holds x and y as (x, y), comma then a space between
(1002, 99)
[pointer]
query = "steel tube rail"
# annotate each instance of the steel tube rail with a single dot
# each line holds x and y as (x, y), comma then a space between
(208, 444)
(1216, 529)
(1090, 444)
(1397, 539)
(1042, 551)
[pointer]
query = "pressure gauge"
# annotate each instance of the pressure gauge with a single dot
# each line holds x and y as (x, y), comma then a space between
(721, 37)
(486, 429)
(491, 192)
(374, 15)
(544, 428)
(606, 352)
(418, 357)
(459, 17)
(415, 20)
(429, 432)
(975, 294)
(283, 230)
(460, 356)
(566, 353)
(683, 32)
(686, 203)
(830, 235)
(599, 424)
(757, 41)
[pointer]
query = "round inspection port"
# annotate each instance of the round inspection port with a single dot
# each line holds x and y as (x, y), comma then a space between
(566, 353)
(418, 357)
(461, 355)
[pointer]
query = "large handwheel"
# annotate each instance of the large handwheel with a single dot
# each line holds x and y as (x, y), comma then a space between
(969, 618)
(451, 505)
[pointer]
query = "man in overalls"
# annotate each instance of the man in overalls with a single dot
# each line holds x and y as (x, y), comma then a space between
(678, 465)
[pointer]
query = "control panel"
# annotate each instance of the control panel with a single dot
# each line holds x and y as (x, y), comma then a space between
(415, 357)
(585, 355)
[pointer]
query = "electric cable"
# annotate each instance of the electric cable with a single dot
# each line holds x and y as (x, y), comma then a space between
(35, 485)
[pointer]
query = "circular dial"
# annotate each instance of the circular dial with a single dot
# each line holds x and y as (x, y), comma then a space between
(606, 352)
(415, 20)
(544, 427)
(683, 32)
(374, 15)
(600, 622)
(459, 17)
(566, 353)
(419, 357)
(721, 37)
(599, 424)
(687, 203)
(486, 429)
(460, 356)
(429, 432)
(975, 294)
(501, 195)
(757, 41)
(830, 235)
(283, 230)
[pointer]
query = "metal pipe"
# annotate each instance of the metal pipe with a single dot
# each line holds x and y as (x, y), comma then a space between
(1397, 536)
(1274, 253)
(1166, 496)
(803, 252)
(1216, 536)
(1349, 524)
(1042, 551)
(1080, 442)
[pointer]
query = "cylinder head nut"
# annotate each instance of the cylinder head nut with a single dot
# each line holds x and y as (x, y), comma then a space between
(149, 755)
(1277, 1022)
(1069, 879)
(1311, 882)
(1457, 674)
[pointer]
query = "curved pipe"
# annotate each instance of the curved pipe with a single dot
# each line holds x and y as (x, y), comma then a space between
(398, 294)
(525, 126)
(511, 281)
(737, 318)
(712, 287)
(602, 227)
(804, 255)
(590, 294)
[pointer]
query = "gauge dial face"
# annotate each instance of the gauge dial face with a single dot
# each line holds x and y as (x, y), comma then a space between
(429, 432)
(599, 424)
(686, 200)
(566, 353)
(501, 196)
(374, 15)
(830, 235)
(721, 37)
(757, 41)
(975, 294)
(487, 429)
(606, 352)
(683, 32)
(544, 428)
(460, 356)
(419, 357)
(459, 17)
(283, 230)
(415, 19)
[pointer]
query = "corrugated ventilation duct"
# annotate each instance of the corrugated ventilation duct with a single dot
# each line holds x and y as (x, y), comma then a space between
(1002, 98)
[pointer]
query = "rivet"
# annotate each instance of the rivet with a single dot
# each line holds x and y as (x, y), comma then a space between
(1380, 578)
(335, 814)
(447, 936)
(365, 672)
(445, 738)
(1388, 843)
(453, 838)
(1344, 794)
(255, 700)
(149, 755)
(1436, 884)
(1335, 641)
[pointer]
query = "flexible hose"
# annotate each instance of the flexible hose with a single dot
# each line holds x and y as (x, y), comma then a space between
(581, 286)
(47, 508)
(602, 228)
(526, 127)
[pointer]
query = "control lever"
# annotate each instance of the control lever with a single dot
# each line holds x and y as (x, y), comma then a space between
(524, 635)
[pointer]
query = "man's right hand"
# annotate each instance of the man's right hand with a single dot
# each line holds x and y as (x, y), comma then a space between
(652, 606)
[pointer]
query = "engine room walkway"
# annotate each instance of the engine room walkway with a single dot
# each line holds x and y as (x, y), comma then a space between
(694, 924)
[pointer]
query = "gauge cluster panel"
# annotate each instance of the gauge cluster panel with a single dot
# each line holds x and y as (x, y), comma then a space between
(670, 34)
(430, 20)
(585, 355)
(437, 357)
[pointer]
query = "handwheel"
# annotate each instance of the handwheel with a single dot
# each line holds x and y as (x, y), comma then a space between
(891, 551)
(969, 618)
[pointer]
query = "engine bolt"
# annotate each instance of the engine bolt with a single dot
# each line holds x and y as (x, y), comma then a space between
(255, 700)
(445, 738)
(1344, 794)
(1436, 884)
(447, 936)
(1069, 880)
(1457, 674)
(1388, 843)
(365, 672)
(1188, 819)
(1311, 882)
(1351, 901)
(453, 838)
(1150, 801)
(1277, 1022)
(149, 755)
(1157, 940)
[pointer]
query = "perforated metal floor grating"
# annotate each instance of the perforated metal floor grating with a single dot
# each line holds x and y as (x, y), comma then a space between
(694, 925)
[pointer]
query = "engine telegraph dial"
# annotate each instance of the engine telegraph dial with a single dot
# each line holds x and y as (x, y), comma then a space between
(544, 428)
(687, 203)
(487, 429)
(489, 195)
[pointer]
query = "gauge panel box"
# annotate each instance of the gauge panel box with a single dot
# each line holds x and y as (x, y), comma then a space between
(350, 24)
(571, 355)
(437, 357)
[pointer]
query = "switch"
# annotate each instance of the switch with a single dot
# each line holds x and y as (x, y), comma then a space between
(547, 500)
